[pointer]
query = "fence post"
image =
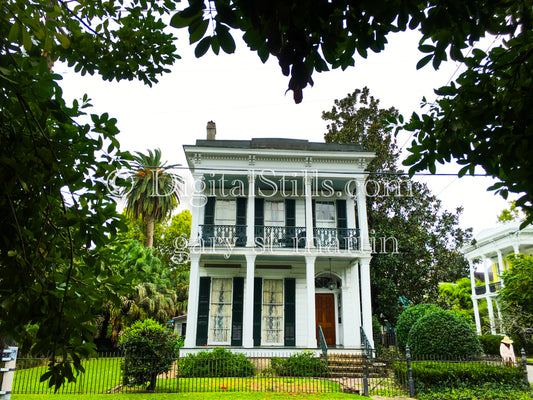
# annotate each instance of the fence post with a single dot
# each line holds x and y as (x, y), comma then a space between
(410, 372)
(9, 357)
(524, 366)
(365, 375)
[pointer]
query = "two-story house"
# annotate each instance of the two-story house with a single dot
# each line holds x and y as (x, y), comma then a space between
(490, 247)
(279, 245)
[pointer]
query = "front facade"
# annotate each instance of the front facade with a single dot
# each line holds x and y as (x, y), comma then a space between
(279, 245)
(490, 247)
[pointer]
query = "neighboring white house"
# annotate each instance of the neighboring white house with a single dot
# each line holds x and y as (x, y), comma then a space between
(279, 245)
(491, 246)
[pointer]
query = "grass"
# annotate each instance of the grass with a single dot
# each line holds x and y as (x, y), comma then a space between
(193, 396)
(100, 374)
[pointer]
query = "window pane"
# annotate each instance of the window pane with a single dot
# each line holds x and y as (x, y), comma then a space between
(225, 212)
(274, 213)
(220, 315)
(272, 311)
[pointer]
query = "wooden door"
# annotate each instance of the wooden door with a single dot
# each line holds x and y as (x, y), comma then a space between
(325, 315)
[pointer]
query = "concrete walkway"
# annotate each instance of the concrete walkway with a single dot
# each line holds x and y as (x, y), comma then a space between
(530, 373)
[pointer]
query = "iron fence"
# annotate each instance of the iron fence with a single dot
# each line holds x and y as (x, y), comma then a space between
(388, 375)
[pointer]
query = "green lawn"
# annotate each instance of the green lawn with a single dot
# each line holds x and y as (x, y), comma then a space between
(193, 396)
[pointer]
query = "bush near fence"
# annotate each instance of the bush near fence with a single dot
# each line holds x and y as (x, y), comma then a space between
(438, 375)
(216, 363)
(299, 364)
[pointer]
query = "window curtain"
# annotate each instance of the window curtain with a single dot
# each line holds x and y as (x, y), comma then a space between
(220, 314)
(272, 332)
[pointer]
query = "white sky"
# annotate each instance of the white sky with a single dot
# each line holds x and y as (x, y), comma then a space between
(246, 100)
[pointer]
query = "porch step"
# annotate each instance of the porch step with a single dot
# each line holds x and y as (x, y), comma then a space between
(345, 365)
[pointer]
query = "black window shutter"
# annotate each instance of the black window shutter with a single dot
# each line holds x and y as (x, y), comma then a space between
(241, 222)
(290, 312)
(258, 303)
(203, 311)
(237, 311)
(341, 223)
(259, 220)
(209, 221)
(313, 211)
(290, 222)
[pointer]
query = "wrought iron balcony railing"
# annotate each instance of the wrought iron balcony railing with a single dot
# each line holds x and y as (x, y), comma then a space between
(280, 236)
(223, 235)
(337, 238)
(495, 286)
(480, 289)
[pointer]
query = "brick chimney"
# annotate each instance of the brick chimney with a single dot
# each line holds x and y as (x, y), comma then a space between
(211, 130)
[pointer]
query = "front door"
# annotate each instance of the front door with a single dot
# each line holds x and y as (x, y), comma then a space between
(325, 315)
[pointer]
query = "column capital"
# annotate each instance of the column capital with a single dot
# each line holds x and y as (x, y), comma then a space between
(250, 258)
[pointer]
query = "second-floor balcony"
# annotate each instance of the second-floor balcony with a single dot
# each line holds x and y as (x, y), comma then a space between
(279, 237)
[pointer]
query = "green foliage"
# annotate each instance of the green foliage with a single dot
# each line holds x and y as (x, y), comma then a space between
(400, 210)
(490, 344)
(516, 298)
(299, 364)
(149, 349)
(485, 392)
(152, 192)
(511, 214)
(443, 334)
(435, 376)
(407, 319)
(58, 217)
(218, 362)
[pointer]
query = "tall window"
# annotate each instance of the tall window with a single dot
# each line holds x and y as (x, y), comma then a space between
(220, 314)
(225, 212)
(274, 213)
(272, 311)
(325, 214)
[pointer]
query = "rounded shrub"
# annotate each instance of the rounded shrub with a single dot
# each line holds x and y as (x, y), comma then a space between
(491, 344)
(216, 363)
(149, 349)
(299, 364)
(407, 319)
(443, 334)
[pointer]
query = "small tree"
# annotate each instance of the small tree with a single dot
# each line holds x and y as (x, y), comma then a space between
(443, 334)
(149, 350)
(407, 319)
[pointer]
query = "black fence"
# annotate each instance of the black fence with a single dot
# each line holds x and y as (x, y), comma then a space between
(304, 373)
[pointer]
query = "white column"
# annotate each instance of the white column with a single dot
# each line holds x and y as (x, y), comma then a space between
(197, 206)
(361, 215)
(309, 214)
(250, 211)
(366, 299)
(474, 296)
(310, 300)
(192, 308)
(350, 223)
(488, 297)
(351, 308)
(500, 266)
(499, 312)
(516, 248)
(248, 306)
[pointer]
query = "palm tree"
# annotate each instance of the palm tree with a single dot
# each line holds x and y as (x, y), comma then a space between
(154, 191)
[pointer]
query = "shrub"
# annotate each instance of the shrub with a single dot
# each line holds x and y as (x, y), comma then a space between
(149, 350)
(216, 363)
(438, 376)
(442, 334)
(407, 319)
(299, 364)
(490, 344)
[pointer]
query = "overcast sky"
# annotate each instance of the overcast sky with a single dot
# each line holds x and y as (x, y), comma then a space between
(247, 100)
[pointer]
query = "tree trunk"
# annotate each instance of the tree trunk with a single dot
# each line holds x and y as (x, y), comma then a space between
(151, 386)
(150, 223)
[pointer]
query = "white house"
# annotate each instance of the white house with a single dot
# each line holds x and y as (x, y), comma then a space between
(490, 247)
(279, 245)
